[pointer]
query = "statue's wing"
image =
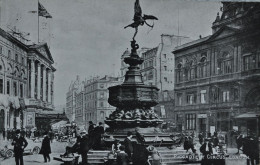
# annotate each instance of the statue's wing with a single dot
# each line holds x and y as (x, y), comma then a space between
(149, 17)
(138, 10)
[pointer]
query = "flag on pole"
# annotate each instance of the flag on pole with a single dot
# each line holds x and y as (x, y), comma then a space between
(43, 12)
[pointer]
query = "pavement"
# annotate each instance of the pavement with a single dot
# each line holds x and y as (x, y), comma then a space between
(59, 148)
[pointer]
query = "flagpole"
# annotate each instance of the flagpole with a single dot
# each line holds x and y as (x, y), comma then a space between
(38, 24)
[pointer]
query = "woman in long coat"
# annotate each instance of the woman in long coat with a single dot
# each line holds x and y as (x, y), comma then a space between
(46, 147)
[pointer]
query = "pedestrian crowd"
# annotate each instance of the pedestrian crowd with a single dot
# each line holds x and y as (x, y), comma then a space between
(10, 134)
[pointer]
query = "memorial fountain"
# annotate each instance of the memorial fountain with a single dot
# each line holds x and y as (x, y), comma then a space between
(134, 101)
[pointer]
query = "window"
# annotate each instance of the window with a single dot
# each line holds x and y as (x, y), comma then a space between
(179, 73)
(150, 75)
(22, 61)
(8, 87)
(203, 96)
(191, 98)
(101, 104)
(164, 55)
(101, 95)
(16, 57)
(192, 73)
(203, 67)
(249, 62)
(1, 50)
(179, 98)
(15, 88)
(227, 66)
(165, 68)
(21, 90)
(1, 85)
(165, 79)
(102, 115)
(9, 54)
(151, 63)
(225, 96)
(190, 121)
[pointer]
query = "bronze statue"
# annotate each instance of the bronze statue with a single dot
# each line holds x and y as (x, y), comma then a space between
(139, 19)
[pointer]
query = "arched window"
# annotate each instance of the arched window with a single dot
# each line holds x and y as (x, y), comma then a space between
(179, 73)
(203, 67)
(150, 75)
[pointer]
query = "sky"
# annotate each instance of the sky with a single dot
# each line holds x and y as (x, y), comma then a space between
(87, 38)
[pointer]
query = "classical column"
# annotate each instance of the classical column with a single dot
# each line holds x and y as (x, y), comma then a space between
(39, 82)
(49, 86)
(52, 87)
(44, 84)
(32, 78)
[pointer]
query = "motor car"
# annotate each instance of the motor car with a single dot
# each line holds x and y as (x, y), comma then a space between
(32, 148)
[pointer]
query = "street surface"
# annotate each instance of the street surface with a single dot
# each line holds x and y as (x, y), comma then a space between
(59, 148)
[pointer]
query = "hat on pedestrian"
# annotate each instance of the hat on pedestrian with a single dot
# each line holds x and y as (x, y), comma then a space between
(129, 133)
(100, 123)
(207, 139)
(17, 131)
(45, 133)
(90, 122)
(122, 148)
(150, 148)
(83, 132)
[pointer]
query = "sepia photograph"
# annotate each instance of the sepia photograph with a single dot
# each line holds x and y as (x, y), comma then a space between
(129, 82)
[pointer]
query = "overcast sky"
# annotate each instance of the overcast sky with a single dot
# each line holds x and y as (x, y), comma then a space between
(87, 38)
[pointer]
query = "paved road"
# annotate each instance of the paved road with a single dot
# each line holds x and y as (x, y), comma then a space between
(59, 148)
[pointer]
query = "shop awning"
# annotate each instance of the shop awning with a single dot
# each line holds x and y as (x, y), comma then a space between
(248, 115)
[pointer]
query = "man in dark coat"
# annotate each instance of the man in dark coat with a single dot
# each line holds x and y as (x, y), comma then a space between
(90, 128)
(84, 147)
(128, 144)
(19, 144)
(46, 147)
(206, 150)
(98, 133)
(200, 138)
(239, 141)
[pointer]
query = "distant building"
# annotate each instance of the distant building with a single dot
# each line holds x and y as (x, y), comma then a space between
(217, 77)
(158, 69)
(80, 105)
(96, 91)
(71, 99)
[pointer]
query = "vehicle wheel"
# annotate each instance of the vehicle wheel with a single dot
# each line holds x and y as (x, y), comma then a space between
(36, 150)
(9, 153)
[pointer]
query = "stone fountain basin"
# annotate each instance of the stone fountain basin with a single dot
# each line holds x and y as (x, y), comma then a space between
(131, 96)
(119, 123)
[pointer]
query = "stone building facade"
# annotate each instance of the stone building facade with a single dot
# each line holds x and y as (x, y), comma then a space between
(80, 105)
(158, 69)
(217, 77)
(26, 82)
(96, 96)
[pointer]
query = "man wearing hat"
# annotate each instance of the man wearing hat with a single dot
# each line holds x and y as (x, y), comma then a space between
(84, 146)
(90, 128)
(128, 144)
(19, 144)
(206, 150)
(98, 131)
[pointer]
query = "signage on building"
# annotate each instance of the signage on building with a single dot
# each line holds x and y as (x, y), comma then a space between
(212, 129)
(201, 116)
